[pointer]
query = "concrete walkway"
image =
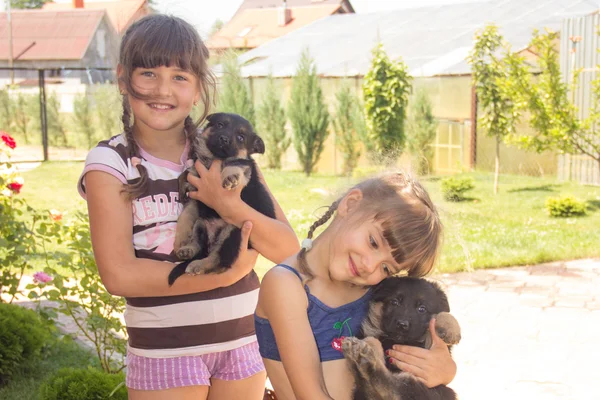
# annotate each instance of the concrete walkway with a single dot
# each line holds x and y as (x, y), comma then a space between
(528, 332)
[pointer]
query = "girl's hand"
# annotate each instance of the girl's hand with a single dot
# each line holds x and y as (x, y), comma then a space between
(246, 258)
(210, 191)
(433, 367)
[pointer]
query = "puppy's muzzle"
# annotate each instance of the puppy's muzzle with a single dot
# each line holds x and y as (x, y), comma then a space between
(402, 324)
(223, 140)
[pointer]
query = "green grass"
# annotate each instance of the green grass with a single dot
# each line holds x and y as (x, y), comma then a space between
(26, 382)
(511, 228)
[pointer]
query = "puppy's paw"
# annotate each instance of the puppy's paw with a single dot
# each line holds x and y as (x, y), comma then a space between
(362, 353)
(447, 328)
(197, 267)
(187, 252)
(230, 182)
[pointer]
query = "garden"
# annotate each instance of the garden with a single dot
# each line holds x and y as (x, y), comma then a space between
(491, 219)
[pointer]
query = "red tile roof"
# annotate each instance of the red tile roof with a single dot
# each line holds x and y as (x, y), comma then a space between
(253, 27)
(63, 35)
(121, 13)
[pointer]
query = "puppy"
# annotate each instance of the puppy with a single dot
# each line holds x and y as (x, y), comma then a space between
(205, 241)
(400, 312)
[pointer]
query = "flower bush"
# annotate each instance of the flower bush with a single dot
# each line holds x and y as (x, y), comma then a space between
(70, 277)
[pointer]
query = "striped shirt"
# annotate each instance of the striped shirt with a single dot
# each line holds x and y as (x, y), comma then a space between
(192, 324)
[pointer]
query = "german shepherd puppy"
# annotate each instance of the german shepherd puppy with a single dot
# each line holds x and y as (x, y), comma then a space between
(206, 242)
(400, 311)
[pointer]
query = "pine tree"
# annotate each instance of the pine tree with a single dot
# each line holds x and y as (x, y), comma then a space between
(271, 125)
(234, 96)
(348, 124)
(421, 130)
(308, 114)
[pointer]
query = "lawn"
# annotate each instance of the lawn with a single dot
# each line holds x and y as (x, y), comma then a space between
(511, 228)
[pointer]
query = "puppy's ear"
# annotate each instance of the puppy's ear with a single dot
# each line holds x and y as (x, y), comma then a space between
(258, 147)
(385, 288)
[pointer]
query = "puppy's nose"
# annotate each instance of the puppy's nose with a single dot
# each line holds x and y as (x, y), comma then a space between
(402, 324)
(224, 140)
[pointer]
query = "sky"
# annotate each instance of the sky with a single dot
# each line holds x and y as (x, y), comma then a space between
(203, 13)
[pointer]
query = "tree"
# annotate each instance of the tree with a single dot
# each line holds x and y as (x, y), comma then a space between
(271, 125)
(421, 130)
(6, 113)
(234, 96)
(28, 4)
(308, 114)
(386, 89)
(552, 114)
(109, 116)
(492, 80)
(23, 109)
(83, 117)
(216, 27)
(348, 124)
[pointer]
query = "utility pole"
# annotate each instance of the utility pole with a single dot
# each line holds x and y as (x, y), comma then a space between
(10, 43)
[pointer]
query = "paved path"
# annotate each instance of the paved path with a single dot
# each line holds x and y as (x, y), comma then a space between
(528, 333)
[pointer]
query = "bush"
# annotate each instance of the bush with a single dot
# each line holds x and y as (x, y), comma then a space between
(79, 384)
(565, 206)
(454, 189)
(23, 334)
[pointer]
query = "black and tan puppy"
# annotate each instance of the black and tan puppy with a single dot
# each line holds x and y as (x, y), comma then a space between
(205, 241)
(400, 312)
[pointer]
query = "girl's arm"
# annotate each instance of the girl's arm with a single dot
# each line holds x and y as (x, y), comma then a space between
(273, 238)
(433, 367)
(283, 301)
(123, 274)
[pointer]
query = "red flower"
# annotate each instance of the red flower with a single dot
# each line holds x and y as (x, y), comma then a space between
(8, 140)
(15, 187)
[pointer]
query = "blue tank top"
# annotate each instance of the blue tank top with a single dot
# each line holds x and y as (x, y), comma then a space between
(328, 325)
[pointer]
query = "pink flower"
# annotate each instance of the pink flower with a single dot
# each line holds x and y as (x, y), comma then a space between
(41, 277)
(8, 140)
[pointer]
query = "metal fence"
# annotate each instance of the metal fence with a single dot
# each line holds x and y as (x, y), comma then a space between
(65, 86)
(579, 49)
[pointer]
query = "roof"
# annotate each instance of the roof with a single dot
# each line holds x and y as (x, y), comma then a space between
(119, 12)
(432, 41)
(254, 27)
(63, 35)
(290, 3)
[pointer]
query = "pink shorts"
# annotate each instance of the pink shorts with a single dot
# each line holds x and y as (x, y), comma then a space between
(144, 373)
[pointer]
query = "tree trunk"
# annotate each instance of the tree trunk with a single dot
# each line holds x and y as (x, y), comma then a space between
(496, 175)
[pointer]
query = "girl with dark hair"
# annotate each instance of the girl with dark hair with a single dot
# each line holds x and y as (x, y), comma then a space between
(381, 227)
(195, 339)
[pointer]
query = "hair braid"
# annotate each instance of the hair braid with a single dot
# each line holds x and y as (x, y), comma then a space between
(191, 129)
(137, 187)
(304, 269)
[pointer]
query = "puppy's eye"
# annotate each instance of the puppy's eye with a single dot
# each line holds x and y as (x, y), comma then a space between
(422, 309)
(395, 302)
(220, 125)
(240, 138)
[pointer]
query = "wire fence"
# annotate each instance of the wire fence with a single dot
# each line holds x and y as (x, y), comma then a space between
(57, 115)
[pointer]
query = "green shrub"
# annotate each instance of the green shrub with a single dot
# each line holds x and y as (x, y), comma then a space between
(454, 188)
(565, 206)
(23, 334)
(80, 384)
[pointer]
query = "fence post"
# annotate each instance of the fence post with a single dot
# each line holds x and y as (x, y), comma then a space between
(43, 118)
